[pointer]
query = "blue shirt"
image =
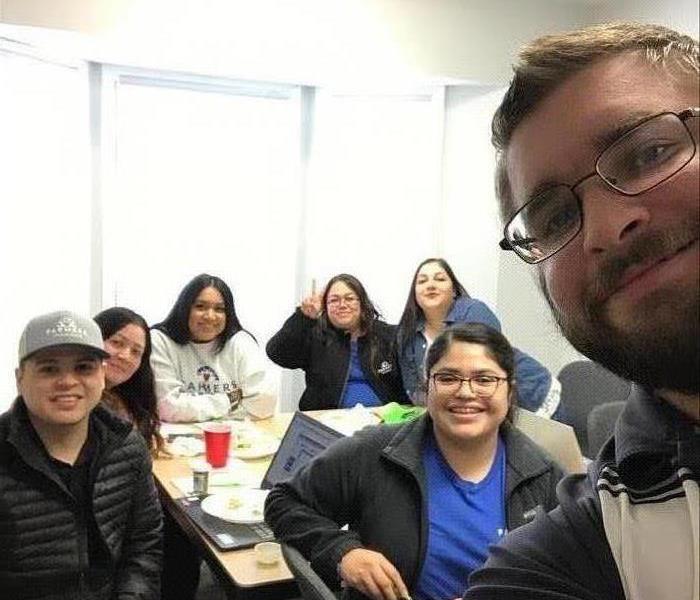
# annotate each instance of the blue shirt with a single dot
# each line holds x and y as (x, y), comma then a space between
(464, 518)
(357, 387)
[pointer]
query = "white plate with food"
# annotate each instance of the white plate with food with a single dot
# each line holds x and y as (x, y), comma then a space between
(185, 445)
(238, 506)
(253, 446)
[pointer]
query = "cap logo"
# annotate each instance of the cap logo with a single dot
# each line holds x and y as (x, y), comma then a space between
(66, 327)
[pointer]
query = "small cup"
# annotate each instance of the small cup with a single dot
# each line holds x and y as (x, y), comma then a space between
(217, 439)
(200, 479)
(267, 553)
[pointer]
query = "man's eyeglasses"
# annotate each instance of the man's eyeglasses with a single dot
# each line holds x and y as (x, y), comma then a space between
(483, 386)
(337, 300)
(639, 160)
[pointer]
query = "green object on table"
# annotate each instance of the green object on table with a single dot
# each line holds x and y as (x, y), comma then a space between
(397, 413)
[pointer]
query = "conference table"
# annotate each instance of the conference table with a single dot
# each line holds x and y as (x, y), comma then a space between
(237, 570)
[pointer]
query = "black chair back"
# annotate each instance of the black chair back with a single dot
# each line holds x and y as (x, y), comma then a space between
(584, 385)
(311, 586)
(601, 424)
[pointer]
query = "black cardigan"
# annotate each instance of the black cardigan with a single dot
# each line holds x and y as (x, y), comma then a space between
(324, 354)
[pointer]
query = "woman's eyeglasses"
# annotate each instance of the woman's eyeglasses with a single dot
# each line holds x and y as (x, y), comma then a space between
(483, 386)
(338, 300)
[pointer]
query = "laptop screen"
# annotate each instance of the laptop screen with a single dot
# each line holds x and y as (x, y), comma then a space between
(305, 438)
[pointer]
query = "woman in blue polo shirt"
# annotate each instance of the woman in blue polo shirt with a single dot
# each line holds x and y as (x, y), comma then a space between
(436, 300)
(423, 500)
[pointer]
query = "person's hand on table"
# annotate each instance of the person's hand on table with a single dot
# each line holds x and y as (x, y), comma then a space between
(373, 575)
(311, 306)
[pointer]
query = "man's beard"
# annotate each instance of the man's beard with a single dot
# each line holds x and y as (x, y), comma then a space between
(659, 344)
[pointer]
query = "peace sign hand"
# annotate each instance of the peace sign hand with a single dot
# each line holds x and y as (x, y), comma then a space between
(311, 306)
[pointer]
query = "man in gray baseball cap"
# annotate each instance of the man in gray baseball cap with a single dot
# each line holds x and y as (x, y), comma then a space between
(79, 515)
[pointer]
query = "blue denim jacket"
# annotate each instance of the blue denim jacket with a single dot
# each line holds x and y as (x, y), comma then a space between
(538, 391)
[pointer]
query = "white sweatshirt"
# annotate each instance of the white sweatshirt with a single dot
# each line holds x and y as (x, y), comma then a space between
(192, 380)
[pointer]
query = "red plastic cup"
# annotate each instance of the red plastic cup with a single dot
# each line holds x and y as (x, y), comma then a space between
(217, 438)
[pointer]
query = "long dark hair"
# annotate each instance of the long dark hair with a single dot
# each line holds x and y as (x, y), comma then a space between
(138, 392)
(412, 312)
(175, 325)
(369, 315)
(495, 344)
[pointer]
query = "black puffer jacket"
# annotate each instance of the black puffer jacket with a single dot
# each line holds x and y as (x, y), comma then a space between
(324, 354)
(43, 554)
(375, 483)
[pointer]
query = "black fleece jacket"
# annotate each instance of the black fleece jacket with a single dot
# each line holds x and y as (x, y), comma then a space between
(324, 355)
(375, 483)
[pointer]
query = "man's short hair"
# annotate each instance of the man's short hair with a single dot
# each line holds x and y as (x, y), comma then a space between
(548, 61)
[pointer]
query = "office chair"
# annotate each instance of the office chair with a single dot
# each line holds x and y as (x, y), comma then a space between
(584, 385)
(601, 424)
(310, 584)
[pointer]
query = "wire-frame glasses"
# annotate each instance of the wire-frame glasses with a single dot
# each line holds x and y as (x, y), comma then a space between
(637, 161)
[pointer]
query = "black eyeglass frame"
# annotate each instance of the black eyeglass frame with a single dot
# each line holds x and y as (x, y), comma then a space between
(469, 382)
(682, 116)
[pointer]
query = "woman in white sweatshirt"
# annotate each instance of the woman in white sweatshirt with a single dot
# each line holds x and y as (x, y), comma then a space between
(204, 361)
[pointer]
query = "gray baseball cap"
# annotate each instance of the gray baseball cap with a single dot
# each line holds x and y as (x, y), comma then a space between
(60, 328)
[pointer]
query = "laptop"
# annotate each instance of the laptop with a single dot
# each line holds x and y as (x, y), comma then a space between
(224, 534)
(305, 438)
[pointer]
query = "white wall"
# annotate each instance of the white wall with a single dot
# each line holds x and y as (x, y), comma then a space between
(682, 15)
(470, 230)
(311, 40)
(526, 318)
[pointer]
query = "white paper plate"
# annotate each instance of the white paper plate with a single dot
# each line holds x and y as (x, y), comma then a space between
(186, 446)
(254, 447)
(239, 506)
(348, 422)
(237, 473)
